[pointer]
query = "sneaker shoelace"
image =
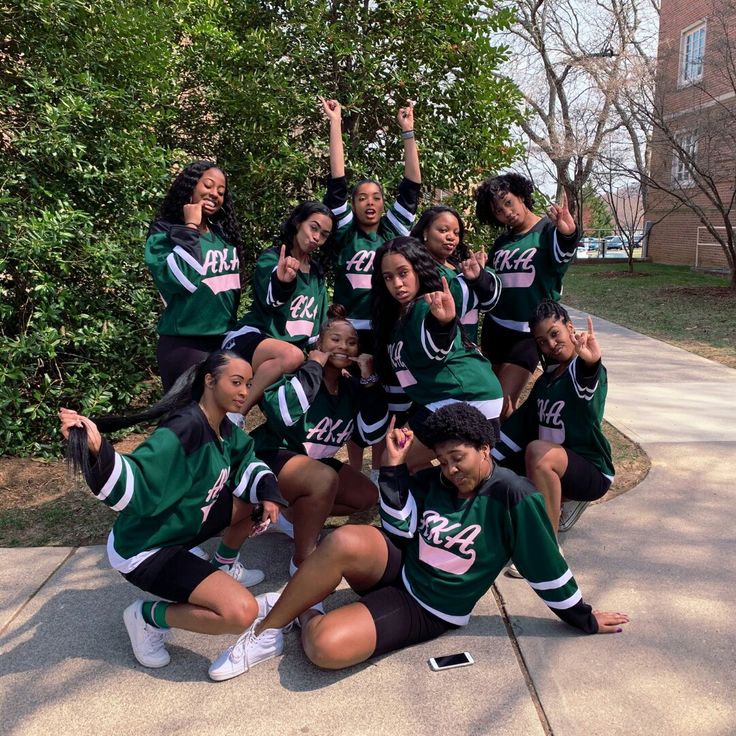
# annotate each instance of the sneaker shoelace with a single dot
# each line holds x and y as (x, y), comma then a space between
(237, 651)
(154, 638)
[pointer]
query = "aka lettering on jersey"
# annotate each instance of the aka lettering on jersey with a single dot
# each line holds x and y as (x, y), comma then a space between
(403, 375)
(447, 546)
(515, 267)
(359, 268)
(214, 492)
(329, 432)
(220, 261)
(551, 425)
(302, 315)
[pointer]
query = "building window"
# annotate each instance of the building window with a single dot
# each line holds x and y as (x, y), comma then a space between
(683, 157)
(692, 50)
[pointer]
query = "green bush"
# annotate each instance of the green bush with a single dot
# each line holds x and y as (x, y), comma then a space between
(101, 101)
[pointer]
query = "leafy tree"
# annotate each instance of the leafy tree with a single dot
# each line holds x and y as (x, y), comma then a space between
(101, 101)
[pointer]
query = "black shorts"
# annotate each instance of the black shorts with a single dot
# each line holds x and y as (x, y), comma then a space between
(582, 481)
(502, 345)
(366, 341)
(400, 621)
(176, 353)
(245, 343)
(276, 459)
(173, 573)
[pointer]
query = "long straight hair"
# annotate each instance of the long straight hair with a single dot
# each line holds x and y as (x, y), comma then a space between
(188, 387)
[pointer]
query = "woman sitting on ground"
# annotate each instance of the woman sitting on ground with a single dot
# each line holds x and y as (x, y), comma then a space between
(447, 533)
(310, 415)
(555, 437)
(194, 476)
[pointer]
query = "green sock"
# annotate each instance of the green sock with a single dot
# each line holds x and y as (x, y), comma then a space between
(225, 555)
(154, 613)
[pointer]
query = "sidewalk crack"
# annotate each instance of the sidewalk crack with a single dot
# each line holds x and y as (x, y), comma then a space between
(536, 700)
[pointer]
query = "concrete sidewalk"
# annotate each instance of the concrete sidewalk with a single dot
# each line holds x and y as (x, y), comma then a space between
(664, 553)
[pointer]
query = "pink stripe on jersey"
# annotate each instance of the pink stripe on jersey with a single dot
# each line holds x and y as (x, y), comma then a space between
(405, 378)
(443, 559)
(517, 280)
(317, 451)
(297, 327)
(359, 280)
(471, 318)
(227, 282)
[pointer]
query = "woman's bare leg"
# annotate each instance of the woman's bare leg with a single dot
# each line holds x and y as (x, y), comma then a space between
(546, 463)
(513, 378)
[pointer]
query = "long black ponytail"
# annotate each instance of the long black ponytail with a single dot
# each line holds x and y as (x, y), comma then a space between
(187, 388)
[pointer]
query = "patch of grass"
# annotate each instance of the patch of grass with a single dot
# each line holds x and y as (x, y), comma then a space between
(671, 303)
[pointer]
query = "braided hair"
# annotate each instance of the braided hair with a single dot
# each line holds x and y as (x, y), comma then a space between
(548, 309)
(498, 186)
(462, 252)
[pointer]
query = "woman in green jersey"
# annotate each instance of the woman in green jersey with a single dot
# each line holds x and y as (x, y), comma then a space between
(193, 253)
(555, 437)
(289, 300)
(195, 475)
(477, 288)
(418, 340)
(310, 416)
(530, 258)
(447, 533)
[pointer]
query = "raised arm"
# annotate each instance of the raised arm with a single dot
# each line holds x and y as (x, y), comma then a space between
(411, 152)
(333, 113)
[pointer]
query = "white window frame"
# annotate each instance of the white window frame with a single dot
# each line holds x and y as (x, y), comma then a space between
(681, 174)
(692, 53)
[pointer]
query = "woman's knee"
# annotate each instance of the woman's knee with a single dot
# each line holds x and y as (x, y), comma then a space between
(290, 358)
(348, 542)
(323, 645)
(238, 611)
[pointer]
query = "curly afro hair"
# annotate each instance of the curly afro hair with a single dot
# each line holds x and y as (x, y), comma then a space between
(461, 422)
(491, 189)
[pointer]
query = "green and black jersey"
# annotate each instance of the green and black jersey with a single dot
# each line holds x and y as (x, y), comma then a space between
(473, 298)
(166, 487)
(531, 267)
(435, 368)
(356, 249)
(198, 277)
(566, 410)
(304, 417)
(454, 547)
(292, 311)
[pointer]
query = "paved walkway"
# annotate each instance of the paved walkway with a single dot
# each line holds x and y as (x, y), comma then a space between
(664, 553)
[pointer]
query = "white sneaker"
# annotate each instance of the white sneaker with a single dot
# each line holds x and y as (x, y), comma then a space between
(570, 512)
(147, 641)
(199, 552)
(242, 575)
(266, 601)
(247, 651)
(284, 526)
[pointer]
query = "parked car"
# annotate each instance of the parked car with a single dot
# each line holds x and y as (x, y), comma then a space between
(591, 243)
(614, 242)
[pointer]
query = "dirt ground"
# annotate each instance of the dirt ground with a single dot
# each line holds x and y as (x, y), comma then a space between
(40, 505)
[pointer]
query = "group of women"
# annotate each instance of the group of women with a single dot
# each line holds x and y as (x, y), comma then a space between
(392, 363)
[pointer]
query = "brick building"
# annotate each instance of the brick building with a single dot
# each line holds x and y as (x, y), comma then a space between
(694, 138)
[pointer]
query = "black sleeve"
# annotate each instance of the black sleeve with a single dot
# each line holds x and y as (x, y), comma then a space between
(487, 288)
(442, 335)
(408, 194)
(180, 235)
(337, 192)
